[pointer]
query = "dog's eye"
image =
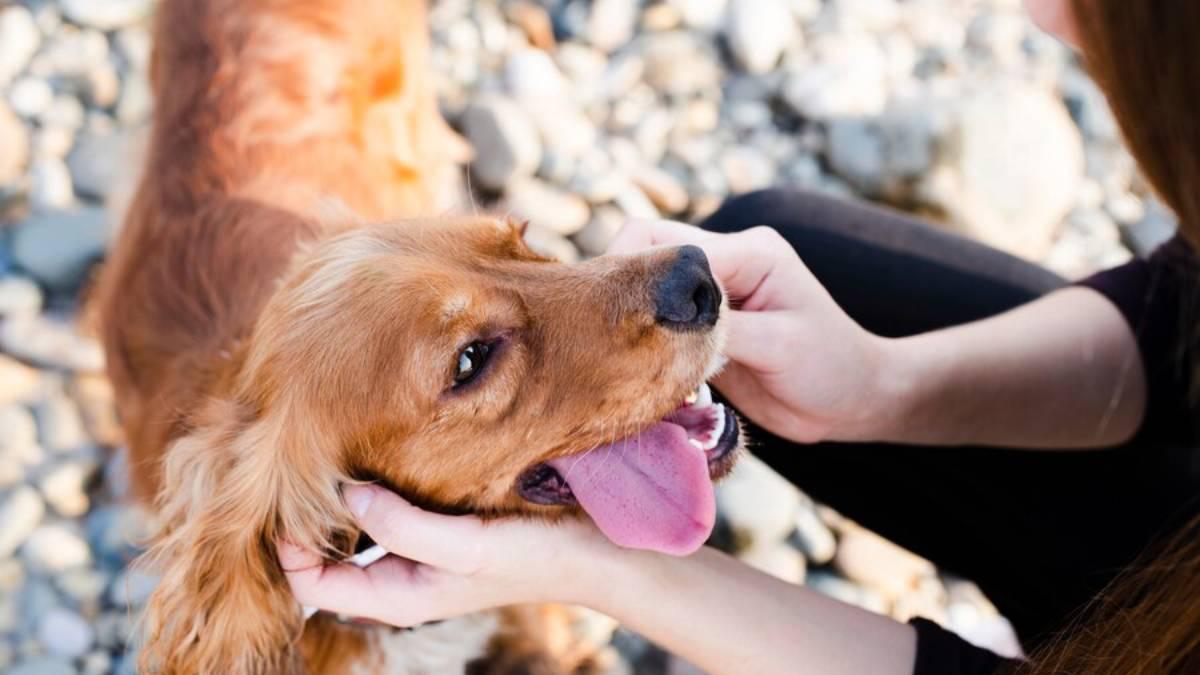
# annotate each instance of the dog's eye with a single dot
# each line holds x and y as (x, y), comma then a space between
(471, 361)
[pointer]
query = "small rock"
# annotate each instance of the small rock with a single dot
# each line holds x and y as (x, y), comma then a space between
(15, 142)
(701, 14)
(50, 184)
(97, 663)
(94, 396)
(812, 537)
(64, 633)
(779, 560)
(136, 100)
(58, 248)
(758, 505)
(531, 74)
(64, 111)
(12, 576)
(551, 244)
(838, 588)
(107, 15)
(1154, 229)
(857, 152)
(663, 189)
(534, 21)
(50, 343)
(20, 514)
(55, 548)
(65, 487)
(132, 589)
(505, 140)
(758, 31)
(19, 40)
(115, 533)
(555, 210)
(30, 97)
(611, 23)
(679, 64)
(20, 434)
(60, 427)
(605, 223)
(18, 382)
(53, 142)
(746, 169)
(634, 203)
(43, 665)
(927, 599)
(849, 79)
(93, 164)
(19, 296)
(100, 86)
(875, 562)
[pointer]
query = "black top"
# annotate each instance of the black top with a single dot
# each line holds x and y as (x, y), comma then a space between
(1156, 297)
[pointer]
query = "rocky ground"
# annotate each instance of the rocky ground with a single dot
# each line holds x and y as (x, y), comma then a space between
(582, 113)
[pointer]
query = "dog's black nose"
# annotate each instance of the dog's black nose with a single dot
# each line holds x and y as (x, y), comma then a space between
(687, 297)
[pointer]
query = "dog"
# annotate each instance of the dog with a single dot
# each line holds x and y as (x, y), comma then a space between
(284, 311)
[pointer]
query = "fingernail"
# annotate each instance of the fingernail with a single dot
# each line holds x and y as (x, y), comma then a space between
(358, 498)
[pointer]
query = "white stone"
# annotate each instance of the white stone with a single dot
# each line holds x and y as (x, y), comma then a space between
(849, 79)
(106, 15)
(875, 562)
(779, 560)
(858, 153)
(758, 31)
(758, 504)
(1009, 169)
(746, 169)
(666, 192)
(701, 14)
(605, 223)
(812, 536)
(18, 382)
(505, 140)
(49, 342)
(64, 633)
(548, 207)
(55, 548)
(57, 248)
(20, 513)
(64, 487)
(19, 296)
(550, 244)
(532, 74)
(19, 40)
(30, 96)
(64, 111)
(611, 23)
(50, 184)
(680, 64)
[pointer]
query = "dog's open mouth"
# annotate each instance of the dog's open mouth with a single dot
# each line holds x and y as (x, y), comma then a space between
(652, 490)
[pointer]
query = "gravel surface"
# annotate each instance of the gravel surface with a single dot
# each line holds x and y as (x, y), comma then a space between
(581, 113)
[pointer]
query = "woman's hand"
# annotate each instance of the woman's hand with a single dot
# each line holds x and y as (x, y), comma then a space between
(446, 566)
(799, 366)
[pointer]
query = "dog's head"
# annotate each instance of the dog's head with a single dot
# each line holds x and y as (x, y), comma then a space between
(448, 361)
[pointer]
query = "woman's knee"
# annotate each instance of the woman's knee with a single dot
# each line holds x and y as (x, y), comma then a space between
(778, 208)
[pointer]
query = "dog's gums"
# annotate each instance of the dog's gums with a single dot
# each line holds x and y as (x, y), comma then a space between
(651, 490)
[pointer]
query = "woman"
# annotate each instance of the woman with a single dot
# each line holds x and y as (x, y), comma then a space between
(923, 364)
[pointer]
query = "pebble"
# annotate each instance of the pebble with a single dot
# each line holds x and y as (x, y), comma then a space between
(875, 562)
(666, 192)
(18, 382)
(132, 588)
(50, 184)
(779, 560)
(55, 548)
(678, 64)
(19, 40)
(58, 247)
(106, 15)
(19, 296)
(602, 227)
(20, 513)
(838, 588)
(84, 587)
(64, 487)
(505, 140)
(30, 97)
(849, 79)
(15, 141)
(43, 665)
(757, 504)
(758, 32)
(746, 169)
(1152, 230)
(65, 634)
(548, 207)
(812, 537)
(91, 164)
(550, 244)
(50, 343)
(94, 396)
(611, 22)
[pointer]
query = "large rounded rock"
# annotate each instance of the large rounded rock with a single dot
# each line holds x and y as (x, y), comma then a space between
(1009, 168)
(19, 40)
(505, 140)
(59, 247)
(758, 31)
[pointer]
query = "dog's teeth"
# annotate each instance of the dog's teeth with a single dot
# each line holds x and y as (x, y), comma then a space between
(697, 443)
(715, 435)
(703, 395)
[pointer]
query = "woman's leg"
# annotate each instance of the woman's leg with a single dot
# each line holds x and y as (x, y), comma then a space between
(1040, 531)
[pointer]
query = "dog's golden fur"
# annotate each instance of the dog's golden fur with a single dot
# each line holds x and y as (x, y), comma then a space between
(264, 352)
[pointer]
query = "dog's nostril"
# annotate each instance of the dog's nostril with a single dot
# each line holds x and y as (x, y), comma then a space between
(687, 297)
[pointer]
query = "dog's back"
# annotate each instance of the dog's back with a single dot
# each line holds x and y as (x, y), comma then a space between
(265, 111)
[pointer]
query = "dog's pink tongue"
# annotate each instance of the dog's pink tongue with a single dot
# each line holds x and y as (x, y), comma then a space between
(651, 491)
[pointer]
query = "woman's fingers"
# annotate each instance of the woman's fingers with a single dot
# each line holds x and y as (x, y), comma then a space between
(392, 590)
(453, 543)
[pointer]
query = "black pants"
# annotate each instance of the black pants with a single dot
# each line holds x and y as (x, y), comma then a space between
(1040, 531)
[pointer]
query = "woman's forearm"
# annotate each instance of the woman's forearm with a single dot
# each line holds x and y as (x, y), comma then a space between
(1061, 372)
(730, 619)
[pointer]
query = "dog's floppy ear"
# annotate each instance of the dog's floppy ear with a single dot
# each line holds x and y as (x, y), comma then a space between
(230, 490)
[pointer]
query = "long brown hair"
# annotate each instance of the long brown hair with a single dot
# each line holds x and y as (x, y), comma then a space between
(1145, 55)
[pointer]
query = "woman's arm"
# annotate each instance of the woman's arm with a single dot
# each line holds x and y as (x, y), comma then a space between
(728, 618)
(1061, 372)
(721, 615)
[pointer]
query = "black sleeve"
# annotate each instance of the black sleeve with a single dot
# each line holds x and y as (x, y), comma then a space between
(1157, 297)
(940, 652)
